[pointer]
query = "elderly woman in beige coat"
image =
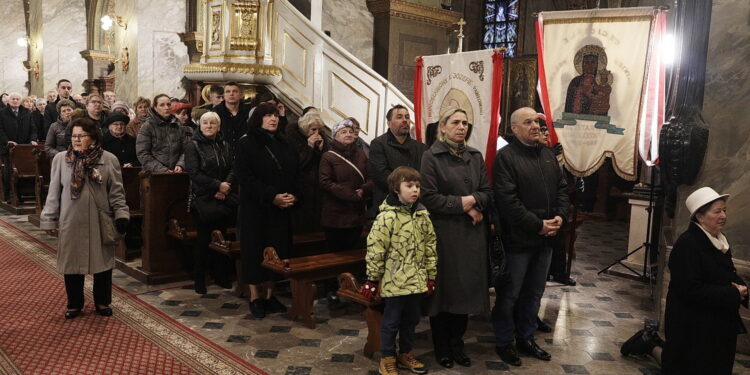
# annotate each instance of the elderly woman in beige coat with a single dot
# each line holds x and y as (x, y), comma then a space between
(84, 181)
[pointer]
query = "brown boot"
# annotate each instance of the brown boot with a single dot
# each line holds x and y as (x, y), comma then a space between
(407, 361)
(388, 366)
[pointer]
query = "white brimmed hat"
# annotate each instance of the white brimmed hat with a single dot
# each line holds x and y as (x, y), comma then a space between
(701, 197)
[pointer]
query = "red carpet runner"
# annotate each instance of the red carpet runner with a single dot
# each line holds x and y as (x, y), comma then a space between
(35, 338)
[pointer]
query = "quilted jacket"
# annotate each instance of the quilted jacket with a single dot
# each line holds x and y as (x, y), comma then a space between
(401, 249)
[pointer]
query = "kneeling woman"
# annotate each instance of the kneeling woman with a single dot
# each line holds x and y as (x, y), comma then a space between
(85, 194)
(702, 316)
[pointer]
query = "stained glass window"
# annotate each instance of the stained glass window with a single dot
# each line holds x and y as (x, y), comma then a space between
(501, 25)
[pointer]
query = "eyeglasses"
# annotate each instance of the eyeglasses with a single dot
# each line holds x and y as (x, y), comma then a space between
(79, 136)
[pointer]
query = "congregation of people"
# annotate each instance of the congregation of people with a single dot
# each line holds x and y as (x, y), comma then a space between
(430, 217)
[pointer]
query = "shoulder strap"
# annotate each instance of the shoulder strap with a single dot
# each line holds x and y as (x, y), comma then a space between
(350, 163)
(278, 165)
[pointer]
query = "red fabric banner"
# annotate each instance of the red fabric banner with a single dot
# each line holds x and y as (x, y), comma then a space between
(497, 87)
(418, 99)
(542, 84)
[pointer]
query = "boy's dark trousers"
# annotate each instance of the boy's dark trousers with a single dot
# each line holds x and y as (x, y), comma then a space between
(400, 317)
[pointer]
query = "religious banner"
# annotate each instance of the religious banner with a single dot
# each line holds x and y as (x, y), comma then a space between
(594, 83)
(471, 81)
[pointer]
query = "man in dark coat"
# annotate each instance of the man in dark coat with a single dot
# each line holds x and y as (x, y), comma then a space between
(15, 128)
(64, 88)
(391, 150)
(233, 114)
(531, 197)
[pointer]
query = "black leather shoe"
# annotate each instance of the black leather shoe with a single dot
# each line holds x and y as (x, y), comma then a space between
(257, 308)
(272, 305)
(70, 314)
(541, 326)
(460, 357)
(641, 343)
(107, 311)
(224, 283)
(446, 362)
(565, 281)
(529, 347)
(508, 354)
(200, 285)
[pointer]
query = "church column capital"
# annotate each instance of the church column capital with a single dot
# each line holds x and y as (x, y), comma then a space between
(414, 12)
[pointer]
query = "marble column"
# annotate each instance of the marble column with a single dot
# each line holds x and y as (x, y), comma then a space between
(12, 76)
(351, 25)
(161, 53)
(403, 31)
(64, 37)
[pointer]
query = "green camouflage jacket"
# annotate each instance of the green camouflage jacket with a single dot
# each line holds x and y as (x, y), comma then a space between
(401, 249)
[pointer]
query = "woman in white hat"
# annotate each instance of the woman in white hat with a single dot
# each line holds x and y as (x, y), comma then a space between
(702, 317)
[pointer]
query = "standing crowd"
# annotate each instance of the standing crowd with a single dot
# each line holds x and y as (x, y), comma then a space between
(438, 220)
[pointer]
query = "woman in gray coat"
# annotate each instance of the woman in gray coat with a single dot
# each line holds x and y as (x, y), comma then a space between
(456, 191)
(83, 181)
(58, 135)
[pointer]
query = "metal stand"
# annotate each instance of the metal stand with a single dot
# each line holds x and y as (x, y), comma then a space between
(647, 246)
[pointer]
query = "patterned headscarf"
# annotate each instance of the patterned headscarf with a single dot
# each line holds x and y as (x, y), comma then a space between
(83, 162)
(346, 123)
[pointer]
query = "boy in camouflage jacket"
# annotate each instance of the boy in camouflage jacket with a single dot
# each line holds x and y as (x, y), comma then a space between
(402, 263)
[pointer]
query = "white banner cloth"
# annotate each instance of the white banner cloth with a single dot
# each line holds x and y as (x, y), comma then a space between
(462, 80)
(595, 64)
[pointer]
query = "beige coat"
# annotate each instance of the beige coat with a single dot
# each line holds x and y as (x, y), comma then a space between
(80, 250)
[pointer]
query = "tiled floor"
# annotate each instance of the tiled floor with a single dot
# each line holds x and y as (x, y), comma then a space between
(590, 322)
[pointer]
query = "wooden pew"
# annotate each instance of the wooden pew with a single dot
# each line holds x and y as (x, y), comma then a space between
(302, 273)
(303, 244)
(164, 195)
(349, 290)
(22, 178)
(43, 165)
(131, 182)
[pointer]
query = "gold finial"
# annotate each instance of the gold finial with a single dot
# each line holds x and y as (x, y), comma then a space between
(460, 36)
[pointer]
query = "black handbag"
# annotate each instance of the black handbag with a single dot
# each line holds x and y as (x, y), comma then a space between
(210, 209)
(498, 268)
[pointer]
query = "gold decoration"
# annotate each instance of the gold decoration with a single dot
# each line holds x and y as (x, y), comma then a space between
(244, 26)
(124, 59)
(478, 68)
(432, 72)
(215, 28)
(257, 69)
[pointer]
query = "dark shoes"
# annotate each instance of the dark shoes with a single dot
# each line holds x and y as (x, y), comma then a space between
(643, 342)
(70, 314)
(200, 285)
(446, 362)
(460, 357)
(226, 284)
(257, 308)
(529, 347)
(541, 326)
(508, 354)
(272, 305)
(107, 311)
(566, 280)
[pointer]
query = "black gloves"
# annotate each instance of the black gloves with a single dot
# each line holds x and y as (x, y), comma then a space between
(121, 225)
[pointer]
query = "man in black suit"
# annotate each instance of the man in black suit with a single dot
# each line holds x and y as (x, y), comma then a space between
(15, 128)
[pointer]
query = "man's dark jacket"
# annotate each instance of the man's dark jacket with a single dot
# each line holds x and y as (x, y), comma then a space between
(528, 188)
(15, 128)
(386, 154)
(233, 127)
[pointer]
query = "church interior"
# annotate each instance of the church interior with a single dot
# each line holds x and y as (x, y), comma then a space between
(352, 59)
